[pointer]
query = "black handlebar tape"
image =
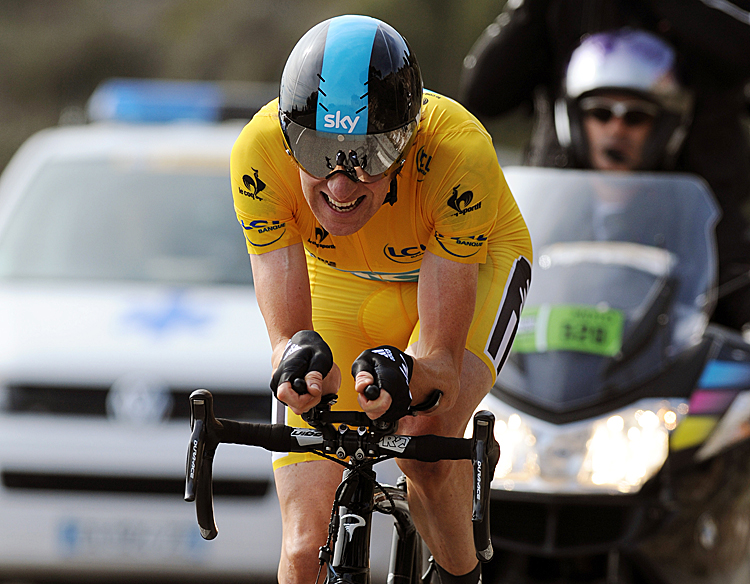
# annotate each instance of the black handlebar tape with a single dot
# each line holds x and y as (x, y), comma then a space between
(430, 448)
(273, 437)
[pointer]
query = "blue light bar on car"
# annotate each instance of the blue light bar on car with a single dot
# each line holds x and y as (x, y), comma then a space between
(166, 100)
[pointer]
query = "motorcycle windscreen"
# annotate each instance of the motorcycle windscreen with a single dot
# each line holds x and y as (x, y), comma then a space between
(623, 282)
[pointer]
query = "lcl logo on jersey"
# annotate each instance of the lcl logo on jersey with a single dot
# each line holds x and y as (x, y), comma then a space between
(423, 163)
(338, 121)
(461, 247)
(405, 255)
(261, 226)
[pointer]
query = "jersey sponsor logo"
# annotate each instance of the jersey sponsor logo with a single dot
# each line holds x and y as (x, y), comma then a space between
(253, 184)
(423, 163)
(261, 226)
(471, 243)
(509, 312)
(405, 255)
(338, 121)
(320, 236)
(320, 259)
(462, 203)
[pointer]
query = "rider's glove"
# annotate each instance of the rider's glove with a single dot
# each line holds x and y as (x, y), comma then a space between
(391, 369)
(306, 351)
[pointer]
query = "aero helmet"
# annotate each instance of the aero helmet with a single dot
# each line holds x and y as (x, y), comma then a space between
(633, 62)
(351, 95)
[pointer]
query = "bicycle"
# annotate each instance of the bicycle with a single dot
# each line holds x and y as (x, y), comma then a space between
(364, 442)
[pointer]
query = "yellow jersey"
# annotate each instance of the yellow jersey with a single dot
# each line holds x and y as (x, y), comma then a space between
(450, 198)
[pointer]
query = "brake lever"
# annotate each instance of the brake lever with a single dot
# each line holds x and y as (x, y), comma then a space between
(486, 454)
(200, 457)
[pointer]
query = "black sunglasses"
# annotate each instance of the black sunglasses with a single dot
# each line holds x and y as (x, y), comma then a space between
(632, 113)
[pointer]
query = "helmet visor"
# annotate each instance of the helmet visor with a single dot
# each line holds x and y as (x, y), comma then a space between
(317, 152)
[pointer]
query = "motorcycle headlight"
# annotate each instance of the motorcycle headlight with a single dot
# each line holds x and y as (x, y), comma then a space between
(618, 452)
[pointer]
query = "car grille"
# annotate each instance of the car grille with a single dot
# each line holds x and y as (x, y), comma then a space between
(92, 401)
(38, 481)
(557, 528)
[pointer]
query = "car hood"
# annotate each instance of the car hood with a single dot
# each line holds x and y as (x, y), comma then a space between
(95, 333)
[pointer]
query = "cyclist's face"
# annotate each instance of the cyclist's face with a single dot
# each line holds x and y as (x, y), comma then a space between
(341, 205)
(617, 127)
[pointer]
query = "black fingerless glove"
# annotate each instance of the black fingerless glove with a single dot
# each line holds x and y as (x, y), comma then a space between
(306, 351)
(391, 368)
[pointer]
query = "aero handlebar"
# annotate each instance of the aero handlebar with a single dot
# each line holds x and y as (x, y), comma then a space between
(362, 442)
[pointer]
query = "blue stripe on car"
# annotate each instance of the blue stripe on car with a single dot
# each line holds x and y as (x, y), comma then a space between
(342, 101)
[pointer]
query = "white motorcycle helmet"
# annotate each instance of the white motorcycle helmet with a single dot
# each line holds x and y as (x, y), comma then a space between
(626, 61)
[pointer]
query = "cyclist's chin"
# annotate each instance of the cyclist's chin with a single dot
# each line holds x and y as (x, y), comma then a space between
(344, 223)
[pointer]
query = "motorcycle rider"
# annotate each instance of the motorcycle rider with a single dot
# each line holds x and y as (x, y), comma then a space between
(624, 107)
(522, 56)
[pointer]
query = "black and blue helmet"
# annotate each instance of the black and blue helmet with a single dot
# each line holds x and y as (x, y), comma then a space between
(351, 93)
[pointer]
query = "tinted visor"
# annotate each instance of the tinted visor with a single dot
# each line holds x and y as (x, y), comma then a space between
(632, 112)
(316, 152)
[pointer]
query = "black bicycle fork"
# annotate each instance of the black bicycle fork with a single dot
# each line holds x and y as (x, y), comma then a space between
(353, 525)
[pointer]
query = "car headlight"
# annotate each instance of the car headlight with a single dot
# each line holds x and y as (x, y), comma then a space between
(618, 452)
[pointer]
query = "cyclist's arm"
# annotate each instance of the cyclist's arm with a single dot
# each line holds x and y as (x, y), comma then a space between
(283, 293)
(446, 298)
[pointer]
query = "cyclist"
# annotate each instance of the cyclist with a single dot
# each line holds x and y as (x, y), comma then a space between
(383, 239)
(624, 107)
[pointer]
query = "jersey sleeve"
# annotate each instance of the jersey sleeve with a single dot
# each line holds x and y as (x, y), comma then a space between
(261, 170)
(464, 192)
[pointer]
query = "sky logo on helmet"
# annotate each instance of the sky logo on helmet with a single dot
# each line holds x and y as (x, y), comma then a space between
(344, 74)
(338, 121)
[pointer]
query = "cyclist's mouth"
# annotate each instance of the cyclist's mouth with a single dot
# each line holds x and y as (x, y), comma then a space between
(343, 207)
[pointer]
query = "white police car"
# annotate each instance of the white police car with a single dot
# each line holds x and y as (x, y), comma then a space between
(125, 285)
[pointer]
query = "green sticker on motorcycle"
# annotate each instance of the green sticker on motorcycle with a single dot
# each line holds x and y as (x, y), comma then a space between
(586, 329)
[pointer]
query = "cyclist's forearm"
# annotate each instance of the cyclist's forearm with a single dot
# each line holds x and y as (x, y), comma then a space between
(447, 290)
(280, 279)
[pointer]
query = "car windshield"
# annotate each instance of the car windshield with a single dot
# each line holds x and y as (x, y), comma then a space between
(622, 284)
(118, 220)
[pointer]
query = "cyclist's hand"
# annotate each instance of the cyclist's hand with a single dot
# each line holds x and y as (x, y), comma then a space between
(389, 369)
(308, 357)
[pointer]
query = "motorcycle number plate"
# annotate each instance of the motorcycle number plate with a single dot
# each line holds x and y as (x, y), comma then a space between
(568, 327)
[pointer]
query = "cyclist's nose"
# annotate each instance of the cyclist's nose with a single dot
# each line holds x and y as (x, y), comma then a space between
(341, 187)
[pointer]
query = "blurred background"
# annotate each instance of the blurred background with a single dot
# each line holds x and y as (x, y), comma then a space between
(54, 53)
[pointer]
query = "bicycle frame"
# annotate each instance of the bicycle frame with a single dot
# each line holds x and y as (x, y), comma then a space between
(350, 558)
(358, 495)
